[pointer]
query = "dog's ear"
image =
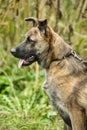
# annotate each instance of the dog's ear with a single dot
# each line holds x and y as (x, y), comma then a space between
(31, 19)
(42, 25)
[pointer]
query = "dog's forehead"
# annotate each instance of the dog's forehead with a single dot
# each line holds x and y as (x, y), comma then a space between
(32, 32)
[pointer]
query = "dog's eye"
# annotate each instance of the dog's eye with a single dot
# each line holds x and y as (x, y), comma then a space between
(30, 40)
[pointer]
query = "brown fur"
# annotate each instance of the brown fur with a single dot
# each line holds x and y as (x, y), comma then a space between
(66, 74)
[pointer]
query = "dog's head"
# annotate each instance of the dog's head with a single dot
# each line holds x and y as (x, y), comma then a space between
(35, 46)
(41, 44)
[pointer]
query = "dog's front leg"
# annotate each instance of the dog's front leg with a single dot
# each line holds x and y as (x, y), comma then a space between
(66, 127)
(77, 119)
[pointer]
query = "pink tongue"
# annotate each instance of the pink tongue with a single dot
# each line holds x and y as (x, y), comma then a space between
(21, 61)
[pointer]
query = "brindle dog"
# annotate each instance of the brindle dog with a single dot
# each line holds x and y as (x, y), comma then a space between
(66, 73)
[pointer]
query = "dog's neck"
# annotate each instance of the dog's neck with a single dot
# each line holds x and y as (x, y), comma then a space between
(64, 50)
(60, 48)
(57, 51)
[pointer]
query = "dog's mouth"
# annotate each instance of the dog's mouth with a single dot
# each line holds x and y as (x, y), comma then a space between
(26, 61)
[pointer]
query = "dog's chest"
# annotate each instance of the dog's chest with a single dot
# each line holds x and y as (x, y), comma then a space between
(55, 97)
(53, 93)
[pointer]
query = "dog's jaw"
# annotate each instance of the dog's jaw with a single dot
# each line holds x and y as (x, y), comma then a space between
(26, 62)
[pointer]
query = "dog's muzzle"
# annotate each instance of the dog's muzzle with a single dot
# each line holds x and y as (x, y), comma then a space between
(24, 61)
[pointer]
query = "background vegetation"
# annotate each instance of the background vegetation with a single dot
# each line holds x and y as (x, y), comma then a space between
(23, 104)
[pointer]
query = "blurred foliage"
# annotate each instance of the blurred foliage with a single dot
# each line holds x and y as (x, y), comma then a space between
(23, 104)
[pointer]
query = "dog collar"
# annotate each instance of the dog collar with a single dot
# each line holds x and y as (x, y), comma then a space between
(71, 52)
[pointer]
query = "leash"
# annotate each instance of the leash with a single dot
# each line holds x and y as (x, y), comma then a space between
(75, 55)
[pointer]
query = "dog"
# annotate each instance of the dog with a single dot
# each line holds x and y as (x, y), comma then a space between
(66, 72)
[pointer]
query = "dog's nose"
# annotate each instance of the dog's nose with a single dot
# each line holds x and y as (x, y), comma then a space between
(13, 51)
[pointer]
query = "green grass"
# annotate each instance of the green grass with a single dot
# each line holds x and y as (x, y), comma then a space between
(24, 106)
(35, 119)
